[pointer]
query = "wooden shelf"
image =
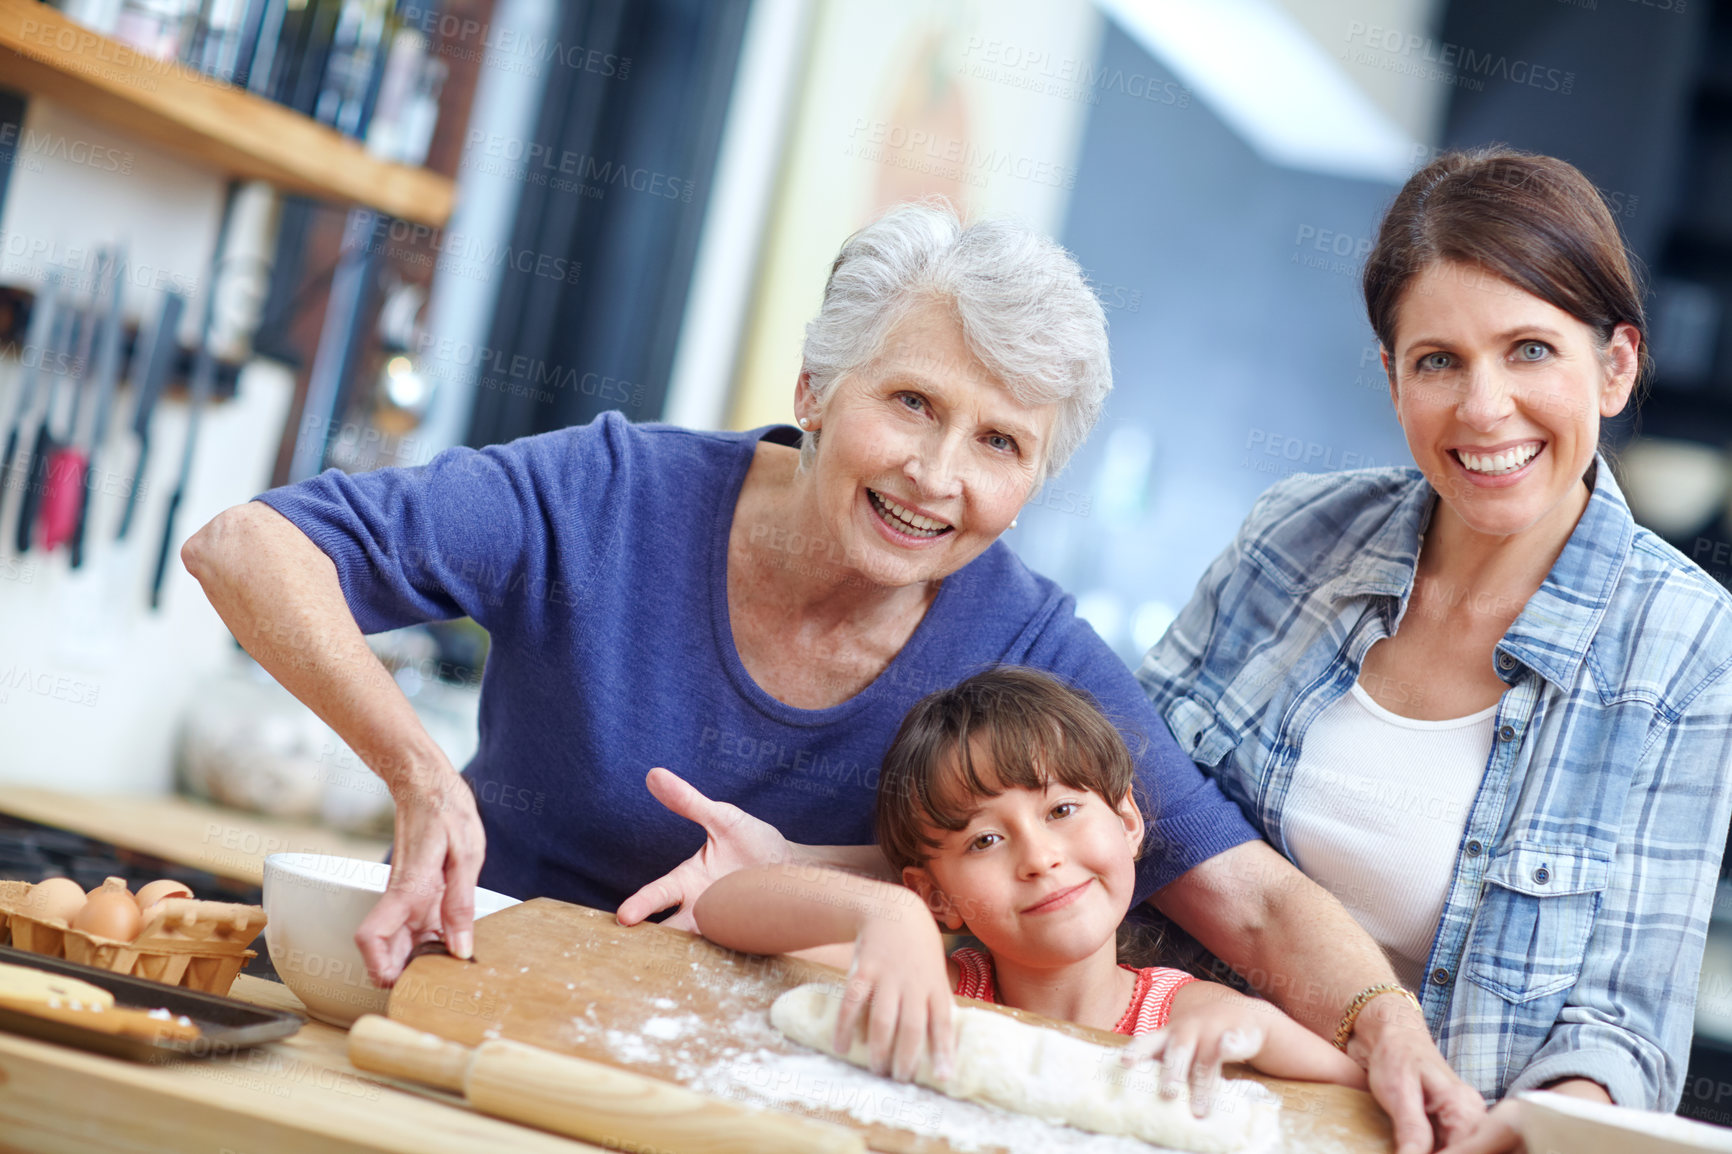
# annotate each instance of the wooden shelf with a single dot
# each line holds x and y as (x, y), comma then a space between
(203, 119)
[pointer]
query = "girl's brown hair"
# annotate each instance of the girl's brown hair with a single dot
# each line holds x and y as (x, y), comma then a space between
(1032, 730)
(1534, 221)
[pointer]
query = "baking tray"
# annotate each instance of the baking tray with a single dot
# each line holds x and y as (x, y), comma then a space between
(225, 1024)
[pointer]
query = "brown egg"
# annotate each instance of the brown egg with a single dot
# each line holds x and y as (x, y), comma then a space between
(110, 912)
(152, 892)
(54, 899)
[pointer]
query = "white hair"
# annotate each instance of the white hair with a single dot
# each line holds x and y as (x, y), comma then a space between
(1025, 308)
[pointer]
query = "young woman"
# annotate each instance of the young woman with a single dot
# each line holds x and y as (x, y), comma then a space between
(1475, 699)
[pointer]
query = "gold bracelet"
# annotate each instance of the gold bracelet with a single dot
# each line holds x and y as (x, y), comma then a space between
(1345, 1030)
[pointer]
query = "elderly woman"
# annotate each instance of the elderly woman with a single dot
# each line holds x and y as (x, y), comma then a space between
(1476, 700)
(756, 609)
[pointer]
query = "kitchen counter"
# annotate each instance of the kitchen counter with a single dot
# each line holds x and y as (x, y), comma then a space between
(299, 1094)
(226, 842)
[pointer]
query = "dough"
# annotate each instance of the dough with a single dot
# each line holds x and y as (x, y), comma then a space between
(28, 984)
(1033, 1070)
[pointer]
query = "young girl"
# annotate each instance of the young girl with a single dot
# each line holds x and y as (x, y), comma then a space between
(1005, 804)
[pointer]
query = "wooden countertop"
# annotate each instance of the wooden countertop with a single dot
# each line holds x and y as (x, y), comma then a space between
(226, 842)
(297, 1095)
(300, 1094)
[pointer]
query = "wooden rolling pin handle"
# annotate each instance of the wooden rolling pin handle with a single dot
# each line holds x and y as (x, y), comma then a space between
(586, 1099)
(614, 1107)
(382, 1046)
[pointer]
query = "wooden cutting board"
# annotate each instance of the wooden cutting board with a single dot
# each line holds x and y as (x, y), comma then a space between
(669, 1004)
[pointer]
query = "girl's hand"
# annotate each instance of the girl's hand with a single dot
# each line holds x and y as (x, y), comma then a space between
(1212, 1024)
(899, 989)
(1195, 1043)
(733, 840)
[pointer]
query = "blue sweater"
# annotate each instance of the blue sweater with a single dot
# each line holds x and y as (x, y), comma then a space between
(596, 557)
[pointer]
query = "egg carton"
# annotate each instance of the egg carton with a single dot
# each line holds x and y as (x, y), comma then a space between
(184, 941)
(11, 896)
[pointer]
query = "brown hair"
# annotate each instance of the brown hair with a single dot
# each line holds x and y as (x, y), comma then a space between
(1034, 730)
(1534, 221)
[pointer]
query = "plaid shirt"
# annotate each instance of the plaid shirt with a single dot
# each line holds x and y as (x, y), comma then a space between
(1572, 934)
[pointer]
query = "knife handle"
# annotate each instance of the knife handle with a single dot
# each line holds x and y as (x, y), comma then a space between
(378, 1044)
(77, 544)
(163, 552)
(132, 490)
(35, 480)
(6, 461)
(59, 507)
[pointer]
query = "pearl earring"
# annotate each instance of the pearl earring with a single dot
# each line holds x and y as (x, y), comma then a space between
(805, 422)
(1013, 522)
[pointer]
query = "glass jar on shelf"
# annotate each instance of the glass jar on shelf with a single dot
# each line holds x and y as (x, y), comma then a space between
(155, 28)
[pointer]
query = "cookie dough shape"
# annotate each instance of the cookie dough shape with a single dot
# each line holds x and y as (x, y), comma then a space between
(28, 985)
(1032, 1070)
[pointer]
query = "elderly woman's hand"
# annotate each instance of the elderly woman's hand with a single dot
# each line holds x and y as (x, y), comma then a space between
(436, 853)
(733, 839)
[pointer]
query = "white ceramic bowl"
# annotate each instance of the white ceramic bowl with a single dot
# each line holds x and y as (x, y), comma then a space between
(314, 903)
(1558, 1124)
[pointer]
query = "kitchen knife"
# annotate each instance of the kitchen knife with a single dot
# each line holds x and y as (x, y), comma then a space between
(59, 508)
(588, 1100)
(41, 337)
(203, 380)
(79, 330)
(150, 369)
(107, 372)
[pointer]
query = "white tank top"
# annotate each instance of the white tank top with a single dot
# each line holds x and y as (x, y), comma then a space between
(1376, 812)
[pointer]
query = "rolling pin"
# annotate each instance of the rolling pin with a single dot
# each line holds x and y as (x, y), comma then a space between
(588, 1100)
